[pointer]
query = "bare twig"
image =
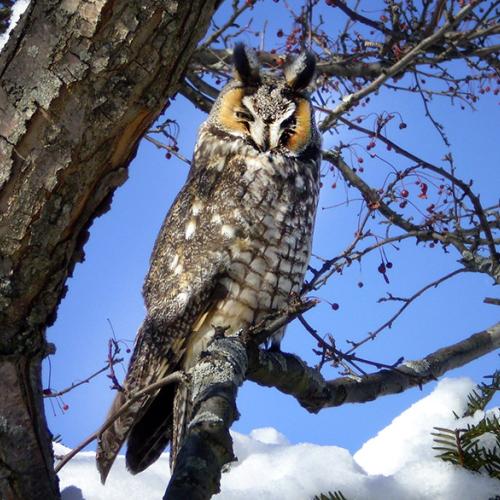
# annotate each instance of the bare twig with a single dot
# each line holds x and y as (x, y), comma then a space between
(170, 149)
(356, 16)
(237, 11)
(54, 394)
(479, 210)
(492, 300)
(407, 302)
(352, 99)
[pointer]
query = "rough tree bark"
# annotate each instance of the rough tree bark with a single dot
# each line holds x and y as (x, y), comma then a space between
(80, 82)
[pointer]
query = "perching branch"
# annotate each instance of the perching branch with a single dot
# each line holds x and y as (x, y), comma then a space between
(291, 375)
(207, 445)
(215, 380)
(213, 386)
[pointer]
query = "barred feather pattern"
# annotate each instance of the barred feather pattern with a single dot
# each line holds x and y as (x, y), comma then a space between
(233, 248)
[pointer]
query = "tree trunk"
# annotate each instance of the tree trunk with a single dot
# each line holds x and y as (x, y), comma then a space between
(80, 82)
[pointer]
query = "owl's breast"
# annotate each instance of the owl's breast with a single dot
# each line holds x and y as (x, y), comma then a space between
(262, 213)
(274, 216)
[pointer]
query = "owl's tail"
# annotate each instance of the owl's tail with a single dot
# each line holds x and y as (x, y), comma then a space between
(151, 434)
(182, 410)
(112, 439)
(147, 423)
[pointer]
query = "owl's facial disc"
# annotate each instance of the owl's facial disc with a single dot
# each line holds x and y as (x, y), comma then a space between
(268, 118)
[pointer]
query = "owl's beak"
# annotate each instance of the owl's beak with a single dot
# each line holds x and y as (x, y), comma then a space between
(261, 136)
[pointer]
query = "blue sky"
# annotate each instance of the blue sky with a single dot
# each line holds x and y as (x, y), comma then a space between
(108, 284)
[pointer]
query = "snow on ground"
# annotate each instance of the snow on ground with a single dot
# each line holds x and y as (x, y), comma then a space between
(397, 464)
(17, 10)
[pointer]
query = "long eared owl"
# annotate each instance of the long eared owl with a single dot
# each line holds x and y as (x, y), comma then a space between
(233, 247)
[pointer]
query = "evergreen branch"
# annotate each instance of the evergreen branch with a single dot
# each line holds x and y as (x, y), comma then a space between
(336, 495)
(482, 395)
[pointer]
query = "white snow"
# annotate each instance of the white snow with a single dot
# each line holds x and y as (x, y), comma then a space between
(409, 435)
(17, 10)
(398, 463)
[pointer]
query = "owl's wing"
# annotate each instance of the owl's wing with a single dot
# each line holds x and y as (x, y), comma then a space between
(182, 284)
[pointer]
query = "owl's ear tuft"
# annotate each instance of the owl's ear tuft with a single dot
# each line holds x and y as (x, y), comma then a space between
(246, 65)
(299, 72)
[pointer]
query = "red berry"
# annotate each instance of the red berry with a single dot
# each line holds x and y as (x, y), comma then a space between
(168, 155)
(423, 190)
(402, 125)
(279, 34)
(47, 392)
(335, 306)
(65, 407)
(404, 193)
(381, 268)
(360, 284)
(389, 265)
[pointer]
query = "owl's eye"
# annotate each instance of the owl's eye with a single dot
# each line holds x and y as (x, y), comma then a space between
(287, 127)
(244, 115)
(289, 123)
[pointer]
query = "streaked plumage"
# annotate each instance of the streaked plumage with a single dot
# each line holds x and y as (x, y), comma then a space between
(233, 247)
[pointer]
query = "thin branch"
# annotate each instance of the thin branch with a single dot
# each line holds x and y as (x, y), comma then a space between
(228, 24)
(435, 124)
(52, 394)
(407, 302)
(352, 99)
(492, 300)
(479, 211)
(199, 100)
(332, 354)
(369, 194)
(356, 16)
(170, 149)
